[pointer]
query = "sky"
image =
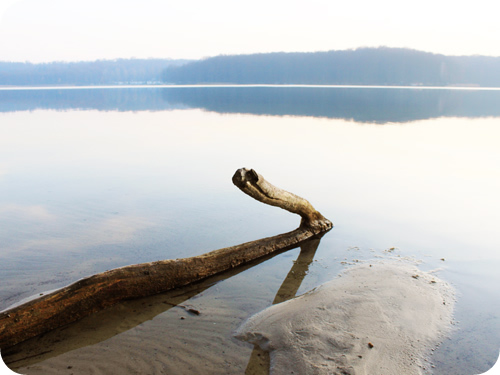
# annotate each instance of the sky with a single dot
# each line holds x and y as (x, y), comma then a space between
(86, 30)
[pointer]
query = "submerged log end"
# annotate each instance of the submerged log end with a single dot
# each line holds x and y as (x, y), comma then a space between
(254, 185)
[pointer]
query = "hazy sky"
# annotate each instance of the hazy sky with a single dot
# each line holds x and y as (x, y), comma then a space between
(70, 30)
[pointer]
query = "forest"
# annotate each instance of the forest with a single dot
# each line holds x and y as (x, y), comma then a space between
(100, 72)
(363, 66)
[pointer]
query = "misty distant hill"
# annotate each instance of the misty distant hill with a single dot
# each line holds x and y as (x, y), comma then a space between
(101, 72)
(364, 66)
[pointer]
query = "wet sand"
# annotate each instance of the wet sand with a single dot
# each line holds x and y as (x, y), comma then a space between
(401, 315)
(380, 318)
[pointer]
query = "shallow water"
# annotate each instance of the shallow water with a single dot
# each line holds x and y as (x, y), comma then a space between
(96, 179)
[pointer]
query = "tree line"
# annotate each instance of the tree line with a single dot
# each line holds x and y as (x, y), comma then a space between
(100, 72)
(363, 66)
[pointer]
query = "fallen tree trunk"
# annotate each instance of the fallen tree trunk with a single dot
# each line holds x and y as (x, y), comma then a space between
(102, 290)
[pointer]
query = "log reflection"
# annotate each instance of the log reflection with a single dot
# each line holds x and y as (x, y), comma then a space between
(259, 362)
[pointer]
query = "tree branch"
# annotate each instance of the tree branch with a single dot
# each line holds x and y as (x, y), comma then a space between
(253, 184)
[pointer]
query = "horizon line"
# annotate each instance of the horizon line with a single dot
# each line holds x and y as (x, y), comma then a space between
(126, 86)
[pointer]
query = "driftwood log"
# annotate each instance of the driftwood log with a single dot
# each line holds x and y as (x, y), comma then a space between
(102, 290)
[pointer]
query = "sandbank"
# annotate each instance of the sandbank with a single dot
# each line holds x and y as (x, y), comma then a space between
(375, 318)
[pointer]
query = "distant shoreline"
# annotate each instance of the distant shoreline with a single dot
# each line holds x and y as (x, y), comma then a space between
(381, 66)
(124, 86)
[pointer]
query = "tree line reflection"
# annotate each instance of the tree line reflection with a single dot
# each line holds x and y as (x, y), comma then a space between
(372, 105)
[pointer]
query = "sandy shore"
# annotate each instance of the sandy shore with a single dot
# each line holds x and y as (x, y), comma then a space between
(378, 318)
(392, 305)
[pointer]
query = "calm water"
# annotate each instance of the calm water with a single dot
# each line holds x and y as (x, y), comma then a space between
(93, 179)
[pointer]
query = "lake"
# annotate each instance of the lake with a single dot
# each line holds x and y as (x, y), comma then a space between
(97, 178)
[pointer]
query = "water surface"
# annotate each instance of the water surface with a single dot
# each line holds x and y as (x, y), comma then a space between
(94, 179)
